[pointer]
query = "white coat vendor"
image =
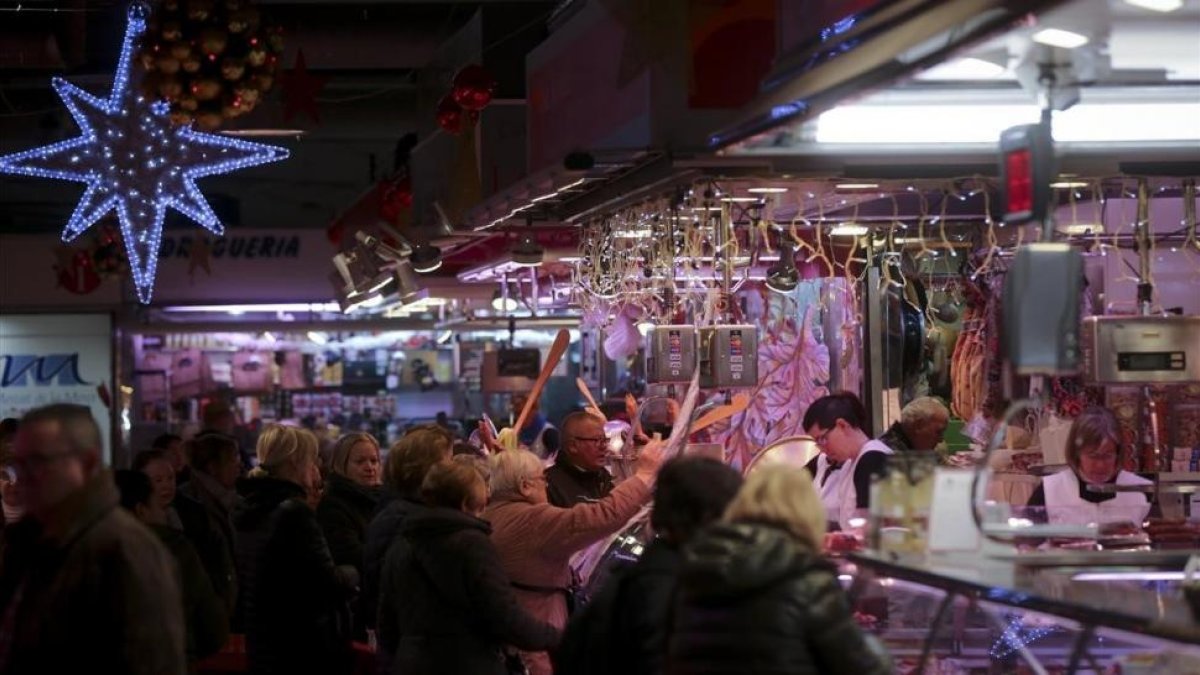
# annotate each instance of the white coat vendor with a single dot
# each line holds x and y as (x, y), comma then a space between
(1095, 454)
(848, 459)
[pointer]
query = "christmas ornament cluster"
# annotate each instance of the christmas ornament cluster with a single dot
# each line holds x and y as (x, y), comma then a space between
(212, 60)
(472, 91)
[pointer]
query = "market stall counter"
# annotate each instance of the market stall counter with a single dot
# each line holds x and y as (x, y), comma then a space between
(1096, 612)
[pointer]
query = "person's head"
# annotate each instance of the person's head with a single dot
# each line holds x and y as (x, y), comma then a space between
(691, 492)
(442, 418)
(584, 441)
(1094, 447)
(924, 421)
(288, 453)
(138, 497)
(784, 497)
(518, 475)
(158, 469)
(58, 449)
(411, 457)
(218, 416)
(356, 456)
(465, 448)
(518, 404)
(172, 447)
(455, 485)
(216, 455)
(837, 422)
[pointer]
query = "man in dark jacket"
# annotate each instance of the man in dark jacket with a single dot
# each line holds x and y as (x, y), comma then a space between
(579, 473)
(922, 426)
(631, 636)
(88, 589)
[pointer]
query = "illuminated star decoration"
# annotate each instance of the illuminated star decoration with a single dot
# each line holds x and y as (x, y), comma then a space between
(134, 160)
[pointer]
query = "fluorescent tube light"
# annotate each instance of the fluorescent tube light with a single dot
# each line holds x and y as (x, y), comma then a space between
(1157, 5)
(848, 230)
(1057, 37)
(856, 186)
(1064, 184)
(767, 190)
(947, 123)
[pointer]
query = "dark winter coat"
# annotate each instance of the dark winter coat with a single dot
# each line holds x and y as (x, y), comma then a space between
(446, 606)
(92, 591)
(344, 513)
(204, 614)
(219, 554)
(568, 485)
(623, 628)
(294, 599)
(382, 532)
(754, 600)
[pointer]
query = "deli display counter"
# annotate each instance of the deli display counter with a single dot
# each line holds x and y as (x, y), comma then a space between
(1110, 612)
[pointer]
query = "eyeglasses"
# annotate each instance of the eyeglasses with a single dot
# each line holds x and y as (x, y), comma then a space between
(823, 439)
(592, 439)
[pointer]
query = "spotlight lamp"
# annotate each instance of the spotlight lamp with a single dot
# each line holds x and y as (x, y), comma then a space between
(782, 277)
(426, 258)
(528, 253)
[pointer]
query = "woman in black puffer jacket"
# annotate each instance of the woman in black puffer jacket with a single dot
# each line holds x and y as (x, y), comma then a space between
(446, 606)
(757, 597)
(292, 597)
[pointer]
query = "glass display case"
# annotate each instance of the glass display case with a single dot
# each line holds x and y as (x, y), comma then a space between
(1078, 613)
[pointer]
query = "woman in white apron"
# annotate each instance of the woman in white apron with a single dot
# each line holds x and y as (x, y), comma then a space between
(848, 459)
(1095, 453)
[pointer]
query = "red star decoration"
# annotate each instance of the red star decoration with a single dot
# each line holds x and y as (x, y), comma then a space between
(300, 90)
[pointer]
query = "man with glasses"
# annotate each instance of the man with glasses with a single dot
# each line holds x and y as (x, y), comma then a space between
(85, 587)
(848, 459)
(579, 473)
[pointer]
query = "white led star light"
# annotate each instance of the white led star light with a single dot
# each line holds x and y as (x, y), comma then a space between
(135, 160)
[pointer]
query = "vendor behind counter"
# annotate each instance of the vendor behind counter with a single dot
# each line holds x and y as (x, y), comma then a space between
(1095, 453)
(848, 459)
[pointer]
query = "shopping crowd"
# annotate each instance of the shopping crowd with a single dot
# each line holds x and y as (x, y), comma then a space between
(433, 557)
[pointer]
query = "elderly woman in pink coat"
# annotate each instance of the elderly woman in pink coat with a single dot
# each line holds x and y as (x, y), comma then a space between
(537, 539)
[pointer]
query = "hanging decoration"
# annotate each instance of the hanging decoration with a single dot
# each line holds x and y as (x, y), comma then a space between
(451, 117)
(212, 60)
(135, 161)
(474, 87)
(74, 270)
(200, 256)
(301, 89)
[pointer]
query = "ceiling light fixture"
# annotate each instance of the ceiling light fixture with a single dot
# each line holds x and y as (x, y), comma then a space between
(445, 337)
(739, 199)
(767, 190)
(1064, 184)
(1057, 37)
(857, 186)
(1088, 228)
(848, 230)
(318, 338)
(527, 252)
(969, 68)
(426, 258)
(407, 284)
(922, 124)
(500, 303)
(1157, 5)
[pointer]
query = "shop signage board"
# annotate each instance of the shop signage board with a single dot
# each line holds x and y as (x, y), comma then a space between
(57, 358)
(246, 265)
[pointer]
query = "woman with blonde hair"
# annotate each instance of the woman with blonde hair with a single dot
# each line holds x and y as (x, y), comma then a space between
(756, 595)
(293, 598)
(352, 492)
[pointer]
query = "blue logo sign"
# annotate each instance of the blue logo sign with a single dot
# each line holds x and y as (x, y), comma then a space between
(18, 369)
